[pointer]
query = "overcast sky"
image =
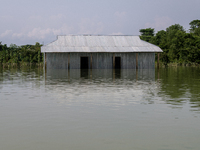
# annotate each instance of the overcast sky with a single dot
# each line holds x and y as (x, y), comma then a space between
(29, 21)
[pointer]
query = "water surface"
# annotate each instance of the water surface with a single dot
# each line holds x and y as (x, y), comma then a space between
(100, 109)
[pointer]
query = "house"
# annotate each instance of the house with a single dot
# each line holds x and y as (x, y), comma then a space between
(99, 52)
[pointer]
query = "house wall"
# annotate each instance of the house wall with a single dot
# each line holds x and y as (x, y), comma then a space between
(146, 60)
(57, 60)
(75, 59)
(100, 60)
(128, 60)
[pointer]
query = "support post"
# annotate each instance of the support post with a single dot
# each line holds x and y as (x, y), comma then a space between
(114, 61)
(68, 61)
(45, 65)
(91, 66)
(91, 61)
(136, 74)
(45, 61)
(158, 61)
(136, 60)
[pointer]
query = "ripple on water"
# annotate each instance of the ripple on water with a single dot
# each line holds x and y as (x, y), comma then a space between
(60, 110)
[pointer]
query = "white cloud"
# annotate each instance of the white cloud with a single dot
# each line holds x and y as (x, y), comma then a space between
(18, 35)
(39, 33)
(36, 34)
(160, 23)
(6, 33)
(42, 33)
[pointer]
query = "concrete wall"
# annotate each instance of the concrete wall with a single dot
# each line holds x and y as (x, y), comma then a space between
(100, 60)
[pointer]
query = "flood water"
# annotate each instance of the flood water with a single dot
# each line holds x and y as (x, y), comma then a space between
(100, 109)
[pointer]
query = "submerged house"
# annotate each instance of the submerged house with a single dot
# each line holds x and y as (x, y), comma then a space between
(99, 52)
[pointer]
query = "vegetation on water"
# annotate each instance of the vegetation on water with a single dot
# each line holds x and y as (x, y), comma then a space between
(21, 55)
(179, 46)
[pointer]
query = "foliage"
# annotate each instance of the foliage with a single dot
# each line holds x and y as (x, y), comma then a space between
(19, 54)
(146, 34)
(178, 46)
(195, 24)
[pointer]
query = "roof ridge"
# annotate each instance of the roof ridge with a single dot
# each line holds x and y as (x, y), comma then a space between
(94, 35)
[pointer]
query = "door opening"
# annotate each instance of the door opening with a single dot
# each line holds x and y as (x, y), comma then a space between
(84, 66)
(84, 63)
(117, 62)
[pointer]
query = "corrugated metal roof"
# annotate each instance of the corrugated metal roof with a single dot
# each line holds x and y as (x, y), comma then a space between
(93, 43)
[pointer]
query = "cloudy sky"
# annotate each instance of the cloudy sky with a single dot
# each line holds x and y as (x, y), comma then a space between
(29, 21)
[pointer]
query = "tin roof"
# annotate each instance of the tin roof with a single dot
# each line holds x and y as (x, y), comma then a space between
(96, 43)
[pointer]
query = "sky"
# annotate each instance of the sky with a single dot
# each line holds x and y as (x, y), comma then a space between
(29, 21)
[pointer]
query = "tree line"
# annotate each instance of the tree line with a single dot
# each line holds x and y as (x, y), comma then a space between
(178, 45)
(20, 54)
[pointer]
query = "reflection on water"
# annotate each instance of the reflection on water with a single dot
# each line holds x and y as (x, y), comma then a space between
(145, 74)
(179, 86)
(112, 87)
(117, 73)
(100, 109)
(174, 86)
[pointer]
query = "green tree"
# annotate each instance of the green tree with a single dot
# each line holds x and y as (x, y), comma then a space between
(146, 34)
(177, 45)
(194, 25)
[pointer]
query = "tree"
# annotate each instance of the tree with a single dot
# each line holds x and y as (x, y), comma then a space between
(1, 46)
(160, 39)
(194, 25)
(146, 34)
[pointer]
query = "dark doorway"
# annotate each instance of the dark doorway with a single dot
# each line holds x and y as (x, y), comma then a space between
(84, 67)
(117, 62)
(84, 63)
